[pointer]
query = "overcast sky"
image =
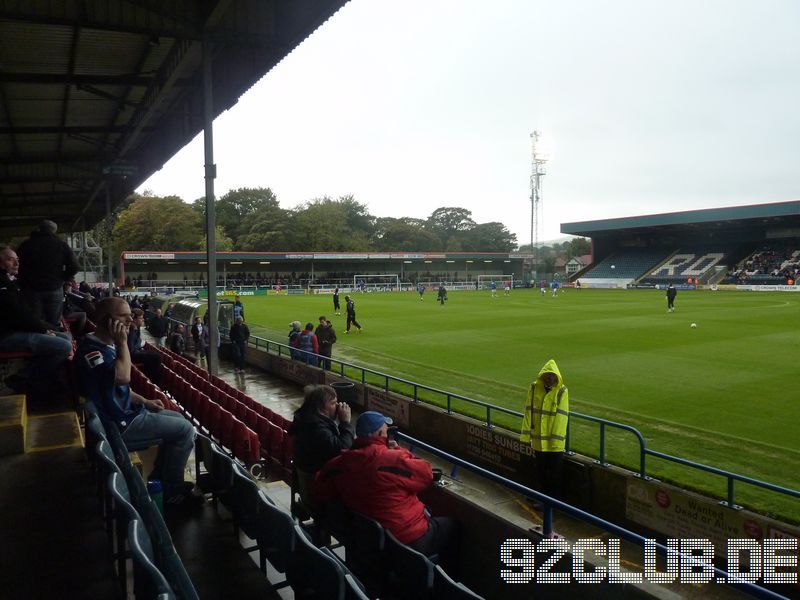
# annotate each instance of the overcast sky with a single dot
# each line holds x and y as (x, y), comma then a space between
(648, 106)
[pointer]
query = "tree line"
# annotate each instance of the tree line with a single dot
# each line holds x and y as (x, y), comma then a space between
(252, 220)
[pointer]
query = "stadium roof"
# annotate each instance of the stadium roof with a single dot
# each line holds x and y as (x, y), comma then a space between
(780, 213)
(97, 95)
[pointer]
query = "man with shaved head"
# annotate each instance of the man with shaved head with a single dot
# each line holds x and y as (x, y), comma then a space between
(104, 363)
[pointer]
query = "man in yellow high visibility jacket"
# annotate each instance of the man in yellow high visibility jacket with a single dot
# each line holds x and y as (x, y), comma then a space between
(544, 426)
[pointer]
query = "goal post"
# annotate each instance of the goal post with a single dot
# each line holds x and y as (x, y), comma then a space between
(485, 281)
(377, 283)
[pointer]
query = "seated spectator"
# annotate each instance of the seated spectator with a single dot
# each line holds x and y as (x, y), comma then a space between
(22, 331)
(294, 340)
(310, 345)
(321, 430)
(104, 364)
(150, 361)
(74, 315)
(46, 262)
(379, 479)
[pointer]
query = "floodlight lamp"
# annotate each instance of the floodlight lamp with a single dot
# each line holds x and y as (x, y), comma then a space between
(542, 147)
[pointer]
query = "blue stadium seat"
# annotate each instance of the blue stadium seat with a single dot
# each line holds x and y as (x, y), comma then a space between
(410, 572)
(312, 573)
(123, 512)
(148, 581)
(445, 588)
(275, 535)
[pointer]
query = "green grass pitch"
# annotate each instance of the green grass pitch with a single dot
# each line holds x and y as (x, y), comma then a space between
(725, 393)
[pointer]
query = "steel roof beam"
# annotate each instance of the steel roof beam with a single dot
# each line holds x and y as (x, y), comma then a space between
(136, 79)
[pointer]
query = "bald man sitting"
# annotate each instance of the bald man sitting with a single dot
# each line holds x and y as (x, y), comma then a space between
(104, 363)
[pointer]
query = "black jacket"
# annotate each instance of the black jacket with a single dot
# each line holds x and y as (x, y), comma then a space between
(14, 313)
(158, 327)
(45, 262)
(239, 333)
(317, 439)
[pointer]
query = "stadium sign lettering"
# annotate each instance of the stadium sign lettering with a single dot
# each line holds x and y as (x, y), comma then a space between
(770, 561)
(147, 256)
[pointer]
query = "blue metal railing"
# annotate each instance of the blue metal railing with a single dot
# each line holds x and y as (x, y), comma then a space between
(490, 409)
(551, 504)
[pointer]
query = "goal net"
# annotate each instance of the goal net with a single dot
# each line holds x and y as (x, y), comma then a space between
(376, 283)
(485, 281)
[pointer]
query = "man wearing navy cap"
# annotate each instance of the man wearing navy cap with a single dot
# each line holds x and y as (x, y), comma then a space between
(379, 479)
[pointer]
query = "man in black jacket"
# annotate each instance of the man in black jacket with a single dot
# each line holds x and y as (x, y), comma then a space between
(239, 334)
(46, 262)
(22, 331)
(158, 328)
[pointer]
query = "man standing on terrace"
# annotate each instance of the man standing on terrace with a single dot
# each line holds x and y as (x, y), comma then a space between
(544, 426)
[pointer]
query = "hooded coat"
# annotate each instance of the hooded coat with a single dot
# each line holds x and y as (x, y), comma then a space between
(381, 483)
(544, 424)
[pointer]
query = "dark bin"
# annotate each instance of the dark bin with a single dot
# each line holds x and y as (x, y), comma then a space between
(345, 391)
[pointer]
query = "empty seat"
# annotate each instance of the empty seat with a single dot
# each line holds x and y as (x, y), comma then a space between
(148, 580)
(312, 573)
(445, 588)
(409, 571)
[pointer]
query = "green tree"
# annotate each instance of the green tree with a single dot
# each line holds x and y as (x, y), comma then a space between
(222, 242)
(324, 225)
(233, 208)
(488, 237)
(154, 223)
(266, 229)
(404, 234)
(448, 220)
(578, 246)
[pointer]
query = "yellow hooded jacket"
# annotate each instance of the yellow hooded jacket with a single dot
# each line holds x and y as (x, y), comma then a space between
(544, 424)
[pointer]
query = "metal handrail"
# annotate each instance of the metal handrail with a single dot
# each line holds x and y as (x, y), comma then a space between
(552, 503)
(644, 451)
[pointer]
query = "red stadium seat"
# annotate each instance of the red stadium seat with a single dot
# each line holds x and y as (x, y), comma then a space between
(214, 416)
(262, 429)
(226, 429)
(201, 416)
(276, 436)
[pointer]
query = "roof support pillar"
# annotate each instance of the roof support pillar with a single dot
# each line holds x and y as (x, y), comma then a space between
(109, 258)
(211, 217)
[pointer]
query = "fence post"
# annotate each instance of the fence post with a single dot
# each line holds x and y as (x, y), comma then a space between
(602, 443)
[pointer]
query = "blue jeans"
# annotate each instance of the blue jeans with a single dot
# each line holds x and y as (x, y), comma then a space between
(49, 351)
(177, 440)
(48, 306)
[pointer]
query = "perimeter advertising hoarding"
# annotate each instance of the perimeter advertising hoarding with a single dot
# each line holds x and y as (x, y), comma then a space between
(680, 514)
(390, 404)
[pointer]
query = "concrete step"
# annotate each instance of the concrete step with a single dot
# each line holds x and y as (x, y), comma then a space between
(13, 424)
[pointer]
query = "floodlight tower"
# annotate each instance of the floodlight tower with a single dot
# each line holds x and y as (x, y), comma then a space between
(538, 160)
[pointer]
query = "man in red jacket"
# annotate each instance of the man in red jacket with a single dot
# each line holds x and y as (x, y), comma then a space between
(379, 479)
